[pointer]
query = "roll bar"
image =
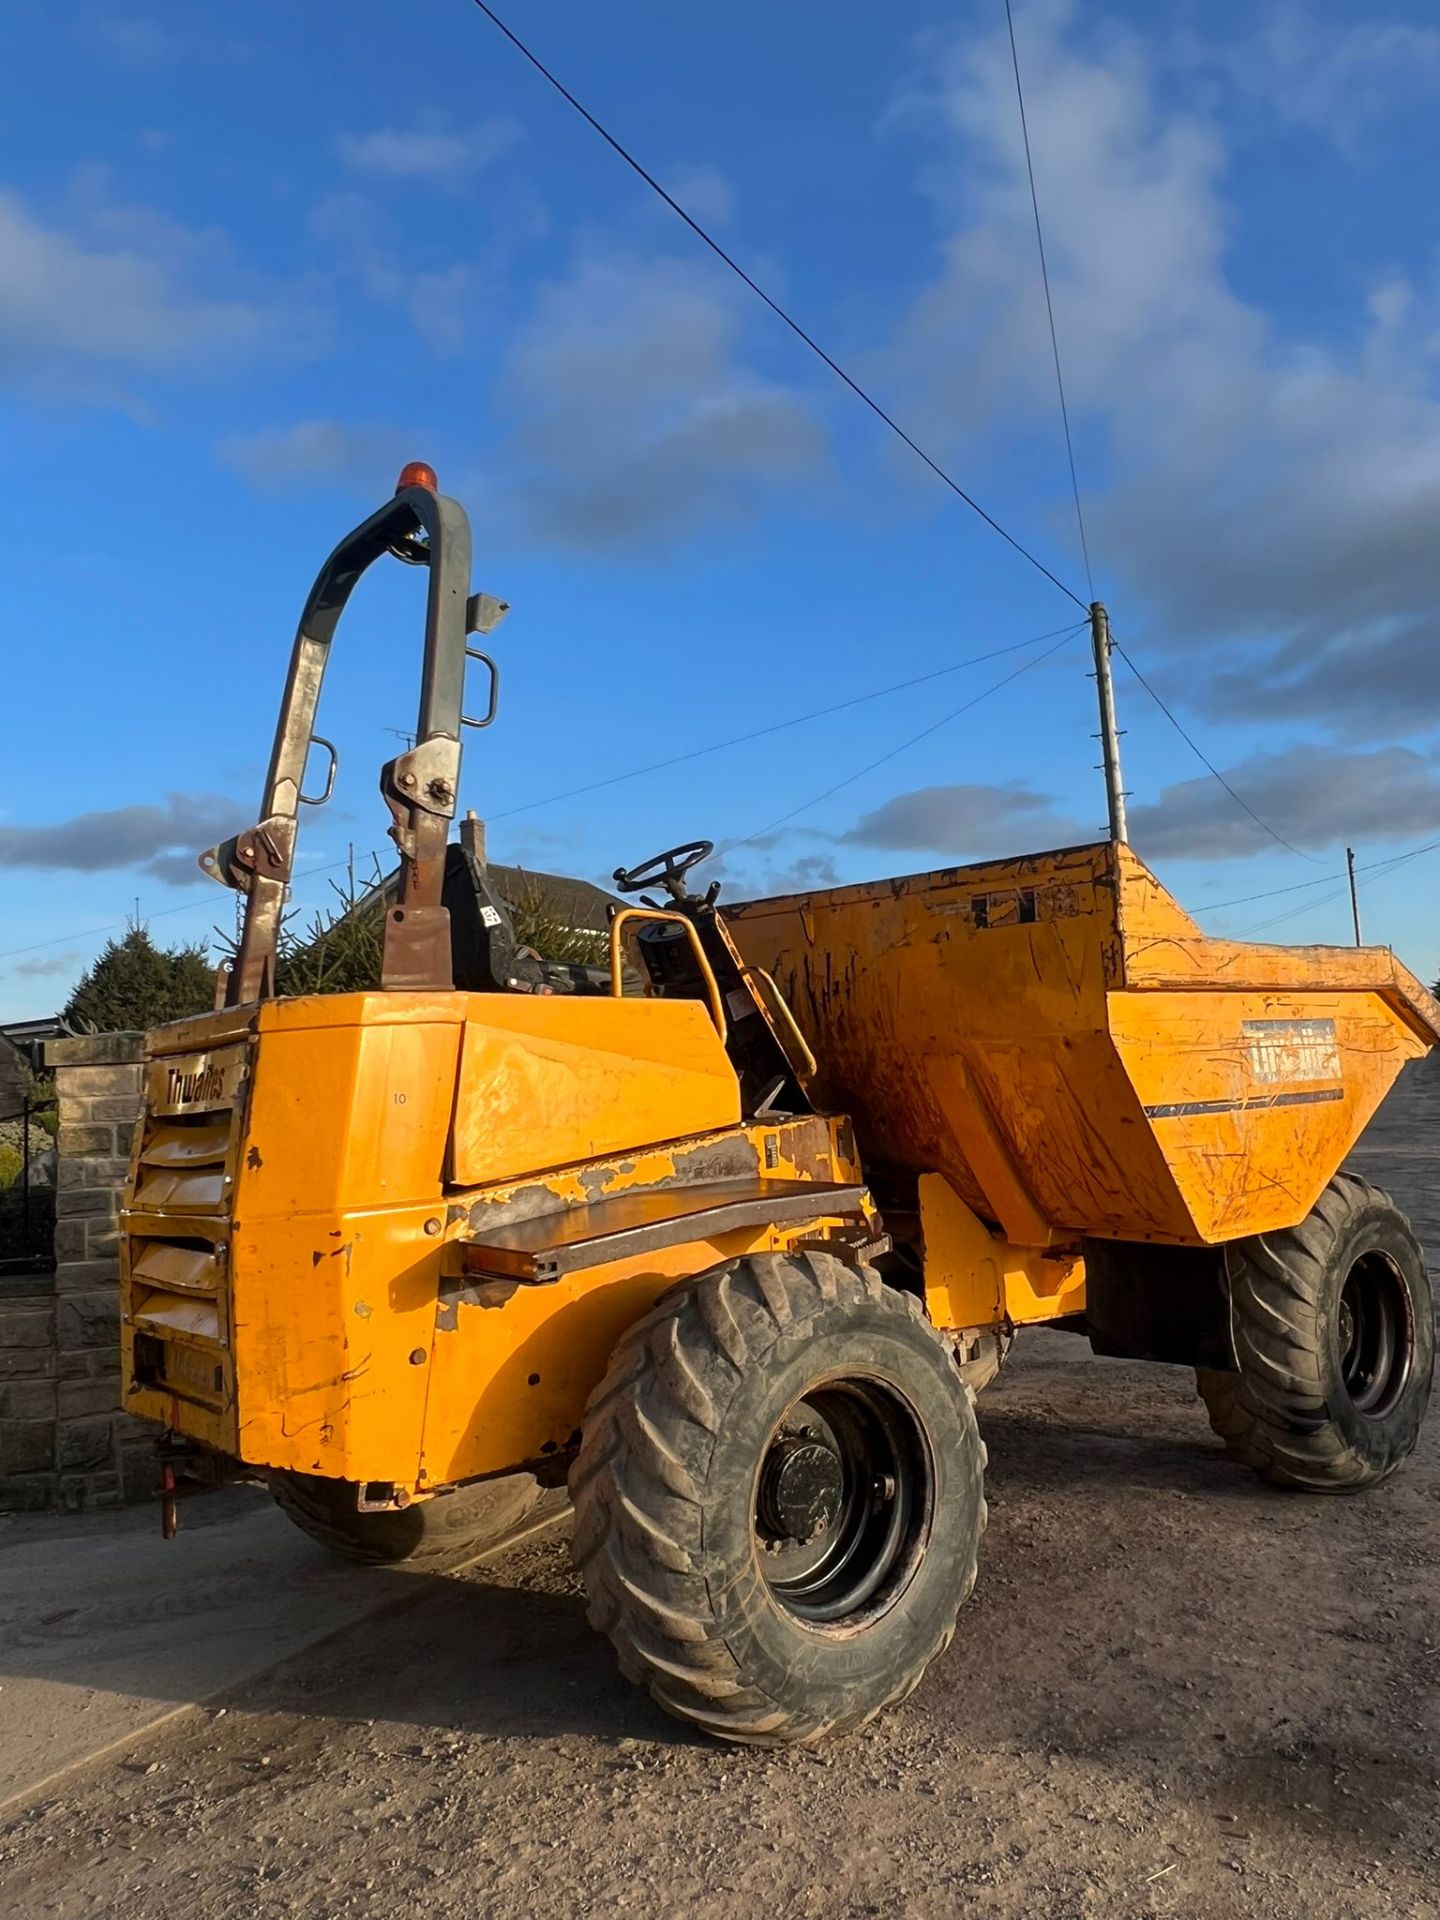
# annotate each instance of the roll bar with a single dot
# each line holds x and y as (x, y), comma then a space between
(419, 786)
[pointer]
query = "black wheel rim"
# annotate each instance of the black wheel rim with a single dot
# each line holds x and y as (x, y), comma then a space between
(1375, 1334)
(843, 1501)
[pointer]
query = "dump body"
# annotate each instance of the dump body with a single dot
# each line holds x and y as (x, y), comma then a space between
(1057, 1038)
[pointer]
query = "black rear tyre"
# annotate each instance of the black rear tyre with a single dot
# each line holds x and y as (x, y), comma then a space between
(438, 1532)
(778, 1501)
(1334, 1327)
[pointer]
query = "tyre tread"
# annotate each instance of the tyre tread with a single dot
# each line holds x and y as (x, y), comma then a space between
(1273, 1414)
(636, 1485)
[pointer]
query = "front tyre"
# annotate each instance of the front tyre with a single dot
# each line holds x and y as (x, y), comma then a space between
(778, 1501)
(1334, 1327)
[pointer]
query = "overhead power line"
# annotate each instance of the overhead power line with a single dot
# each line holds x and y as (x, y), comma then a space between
(780, 726)
(905, 745)
(1382, 868)
(164, 913)
(707, 239)
(780, 312)
(1268, 893)
(1205, 759)
(1070, 444)
(1049, 302)
(94, 933)
(1379, 868)
(1295, 913)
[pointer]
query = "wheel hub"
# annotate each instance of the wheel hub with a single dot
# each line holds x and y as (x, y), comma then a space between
(1375, 1334)
(801, 1488)
(842, 1500)
(1347, 1332)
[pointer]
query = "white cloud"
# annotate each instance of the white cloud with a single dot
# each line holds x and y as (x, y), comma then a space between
(1317, 797)
(42, 966)
(973, 821)
(1332, 78)
(365, 457)
(119, 298)
(438, 302)
(635, 416)
(130, 41)
(1246, 483)
(704, 192)
(101, 290)
(421, 153)
(162, 841)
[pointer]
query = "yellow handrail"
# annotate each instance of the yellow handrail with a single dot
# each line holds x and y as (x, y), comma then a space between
(707, 972)
(807, 1066)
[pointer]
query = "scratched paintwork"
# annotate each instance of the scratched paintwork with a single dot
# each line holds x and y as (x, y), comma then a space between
(546, 1082)
(1018, 1056)
(1041, 1049)
(337, 1206)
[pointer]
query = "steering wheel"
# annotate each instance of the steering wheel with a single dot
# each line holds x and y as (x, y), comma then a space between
(665, 869)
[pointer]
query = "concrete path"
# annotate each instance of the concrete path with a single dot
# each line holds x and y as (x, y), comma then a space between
(107, 1630)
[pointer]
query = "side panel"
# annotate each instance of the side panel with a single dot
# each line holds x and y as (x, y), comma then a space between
(510, 1376)
(1076, 1134)
(347, 1116)
(547, 1082)
(332, 1272)
(333, 1322)
(1256, 1098)
(960, 1018)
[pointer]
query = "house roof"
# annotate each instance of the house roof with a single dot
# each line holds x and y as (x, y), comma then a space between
(27, 1037)
(579, 903)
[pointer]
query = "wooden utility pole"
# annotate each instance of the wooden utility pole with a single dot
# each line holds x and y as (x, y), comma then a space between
(1109, 735)
(1354, 896)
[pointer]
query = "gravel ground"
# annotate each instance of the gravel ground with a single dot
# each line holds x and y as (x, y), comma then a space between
(1176, 1693)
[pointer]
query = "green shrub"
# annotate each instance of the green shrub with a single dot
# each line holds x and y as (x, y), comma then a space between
(339, 950)
(542, 924)
(135, 985)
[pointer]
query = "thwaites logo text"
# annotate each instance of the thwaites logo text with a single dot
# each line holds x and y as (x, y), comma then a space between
(187, 1087)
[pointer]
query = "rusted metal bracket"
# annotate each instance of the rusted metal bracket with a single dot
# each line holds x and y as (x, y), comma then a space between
(419, 788)
(538, 1251)
(258, 863)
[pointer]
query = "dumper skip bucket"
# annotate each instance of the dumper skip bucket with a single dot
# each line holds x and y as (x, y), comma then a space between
(1057, 1037)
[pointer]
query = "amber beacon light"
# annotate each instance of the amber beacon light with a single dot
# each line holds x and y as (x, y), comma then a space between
(416, 473)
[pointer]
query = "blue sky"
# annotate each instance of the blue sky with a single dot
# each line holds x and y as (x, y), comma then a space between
(249, 264)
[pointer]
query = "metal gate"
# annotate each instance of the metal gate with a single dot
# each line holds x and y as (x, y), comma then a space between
(27, 1188)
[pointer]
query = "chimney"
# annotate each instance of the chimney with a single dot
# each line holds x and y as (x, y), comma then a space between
(472, 835)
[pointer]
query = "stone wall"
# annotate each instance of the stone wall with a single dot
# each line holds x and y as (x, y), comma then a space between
(27, 1390)
(63, 1439)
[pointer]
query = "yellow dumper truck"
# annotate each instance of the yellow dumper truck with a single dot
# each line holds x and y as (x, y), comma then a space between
(732, 1255)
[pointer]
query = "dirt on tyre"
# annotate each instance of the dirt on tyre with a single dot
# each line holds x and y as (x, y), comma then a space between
(437, 1532)
(1334, 1329)
(778, 1498)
